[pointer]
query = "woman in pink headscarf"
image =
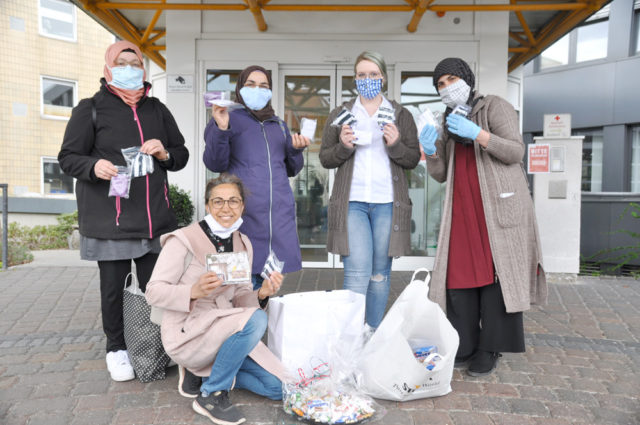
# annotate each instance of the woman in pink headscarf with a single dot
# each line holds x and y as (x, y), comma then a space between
(120, 224)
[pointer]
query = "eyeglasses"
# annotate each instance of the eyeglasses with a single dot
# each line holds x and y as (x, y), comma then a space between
(234, 203)
(372, 75)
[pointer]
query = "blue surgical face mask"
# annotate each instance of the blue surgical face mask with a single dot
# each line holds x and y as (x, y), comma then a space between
(127, 77)
(369, 88)
(255, 98)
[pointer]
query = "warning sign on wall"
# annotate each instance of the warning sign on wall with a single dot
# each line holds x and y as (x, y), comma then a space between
(539, 158)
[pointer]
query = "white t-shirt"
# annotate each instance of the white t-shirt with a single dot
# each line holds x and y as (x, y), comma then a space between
(371, 181)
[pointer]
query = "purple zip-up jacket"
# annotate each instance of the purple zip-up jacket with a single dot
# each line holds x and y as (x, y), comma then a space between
(262, 155)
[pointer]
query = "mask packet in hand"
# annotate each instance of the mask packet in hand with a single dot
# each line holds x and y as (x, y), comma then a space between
(140, 163)
(432, 118)
(120, 184)
(272, 264)
(308, 128)
(385, 116)
(344, 117)
(232, 267)
(463, 110)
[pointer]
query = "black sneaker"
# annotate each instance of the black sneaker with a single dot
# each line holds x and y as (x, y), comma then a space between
(188, 383)
(483, 363)
(218, 408)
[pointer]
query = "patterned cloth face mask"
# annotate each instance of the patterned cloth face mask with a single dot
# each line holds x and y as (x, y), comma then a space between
(455, 93)
(369, 88)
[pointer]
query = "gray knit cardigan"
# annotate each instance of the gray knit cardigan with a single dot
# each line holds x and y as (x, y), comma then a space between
(403, 155)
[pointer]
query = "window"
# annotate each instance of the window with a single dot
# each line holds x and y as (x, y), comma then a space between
(586, 42)
(54, 181)
(57, 19)
(58, 97)
(555, 55)
(591, 159)
(592, 41)
(635, 159)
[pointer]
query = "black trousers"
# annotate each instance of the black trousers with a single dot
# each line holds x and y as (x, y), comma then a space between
(112, 281)
(481, 319)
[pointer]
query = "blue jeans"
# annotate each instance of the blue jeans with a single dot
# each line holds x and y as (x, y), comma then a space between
(232, 361)
(368, 266)
(257, 280)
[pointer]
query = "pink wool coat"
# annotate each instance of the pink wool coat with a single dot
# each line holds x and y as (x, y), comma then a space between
(193, 330)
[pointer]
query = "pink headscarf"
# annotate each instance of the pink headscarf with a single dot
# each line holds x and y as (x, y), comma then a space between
(130, 97)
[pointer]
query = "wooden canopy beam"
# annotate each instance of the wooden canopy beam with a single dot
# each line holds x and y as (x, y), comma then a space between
(421, 7)
(256, 10)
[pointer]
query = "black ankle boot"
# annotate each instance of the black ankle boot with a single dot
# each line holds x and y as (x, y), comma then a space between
(483, 363)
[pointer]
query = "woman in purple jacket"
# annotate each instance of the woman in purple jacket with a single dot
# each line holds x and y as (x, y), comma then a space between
(256, 145)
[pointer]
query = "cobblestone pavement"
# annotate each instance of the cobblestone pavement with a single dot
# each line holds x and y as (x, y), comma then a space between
(582, 364)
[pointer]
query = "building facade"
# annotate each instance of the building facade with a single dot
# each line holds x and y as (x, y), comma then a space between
(592, 73)
(53, 57)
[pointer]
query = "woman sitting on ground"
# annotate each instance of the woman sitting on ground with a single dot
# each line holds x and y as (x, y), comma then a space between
(213, 330)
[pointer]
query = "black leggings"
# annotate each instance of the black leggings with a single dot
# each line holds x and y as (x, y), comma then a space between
(481, 319)
(112, 281)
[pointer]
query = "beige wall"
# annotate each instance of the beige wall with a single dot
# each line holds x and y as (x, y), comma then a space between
(27, 56)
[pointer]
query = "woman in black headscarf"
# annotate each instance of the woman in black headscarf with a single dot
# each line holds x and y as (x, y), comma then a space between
(488, 267)
(256, 145)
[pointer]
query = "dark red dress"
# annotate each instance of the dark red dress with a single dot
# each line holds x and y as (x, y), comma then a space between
(470, 263)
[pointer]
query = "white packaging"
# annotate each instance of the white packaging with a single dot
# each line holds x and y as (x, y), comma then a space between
(308, 128)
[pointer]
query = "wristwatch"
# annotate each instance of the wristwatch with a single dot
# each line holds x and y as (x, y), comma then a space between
(167, 158)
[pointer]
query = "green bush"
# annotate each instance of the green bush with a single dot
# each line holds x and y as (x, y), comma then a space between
(18, 254)
(182, 205)
(53, 236)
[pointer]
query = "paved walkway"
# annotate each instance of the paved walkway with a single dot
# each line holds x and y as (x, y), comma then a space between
(582, 364)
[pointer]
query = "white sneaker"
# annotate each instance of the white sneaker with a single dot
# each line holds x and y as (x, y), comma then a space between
(119, 366)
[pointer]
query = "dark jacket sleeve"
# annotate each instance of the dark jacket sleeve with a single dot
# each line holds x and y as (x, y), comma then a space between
(333, 153)
(293, 160)
(406, 151)
(217, 150)
(75, 154)
(178, 152)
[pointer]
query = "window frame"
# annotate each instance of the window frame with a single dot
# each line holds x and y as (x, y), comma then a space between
(74, 17)
(590, 132)
(572, 61)
(52, 159)
(64, 81)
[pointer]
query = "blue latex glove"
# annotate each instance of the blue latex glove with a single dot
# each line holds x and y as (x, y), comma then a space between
(428, 137)
(462, 127)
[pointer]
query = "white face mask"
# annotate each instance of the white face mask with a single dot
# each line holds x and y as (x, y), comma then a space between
(455, 94)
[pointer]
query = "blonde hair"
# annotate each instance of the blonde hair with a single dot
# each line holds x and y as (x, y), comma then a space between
(374, 57)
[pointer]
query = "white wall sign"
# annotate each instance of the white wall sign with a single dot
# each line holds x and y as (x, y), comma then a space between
(180, 83)
(557, 125)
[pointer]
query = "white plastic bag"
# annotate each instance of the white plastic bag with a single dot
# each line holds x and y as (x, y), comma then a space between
(388, 368)
(308, 325)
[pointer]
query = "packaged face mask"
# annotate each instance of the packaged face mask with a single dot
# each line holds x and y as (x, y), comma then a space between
(432, 118)
(462, 109)
(140, 163)
(272, 264)
(344, 117)
(385, 116)
(121, 183)
(231, 267)
(362, 137)
(308, 128)
(220, 98)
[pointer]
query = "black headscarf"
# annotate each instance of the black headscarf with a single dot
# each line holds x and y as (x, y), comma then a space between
(454, 66)
(459, 68)
(264, 113)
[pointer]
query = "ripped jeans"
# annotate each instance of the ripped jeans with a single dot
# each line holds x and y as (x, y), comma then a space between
(367, 268)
